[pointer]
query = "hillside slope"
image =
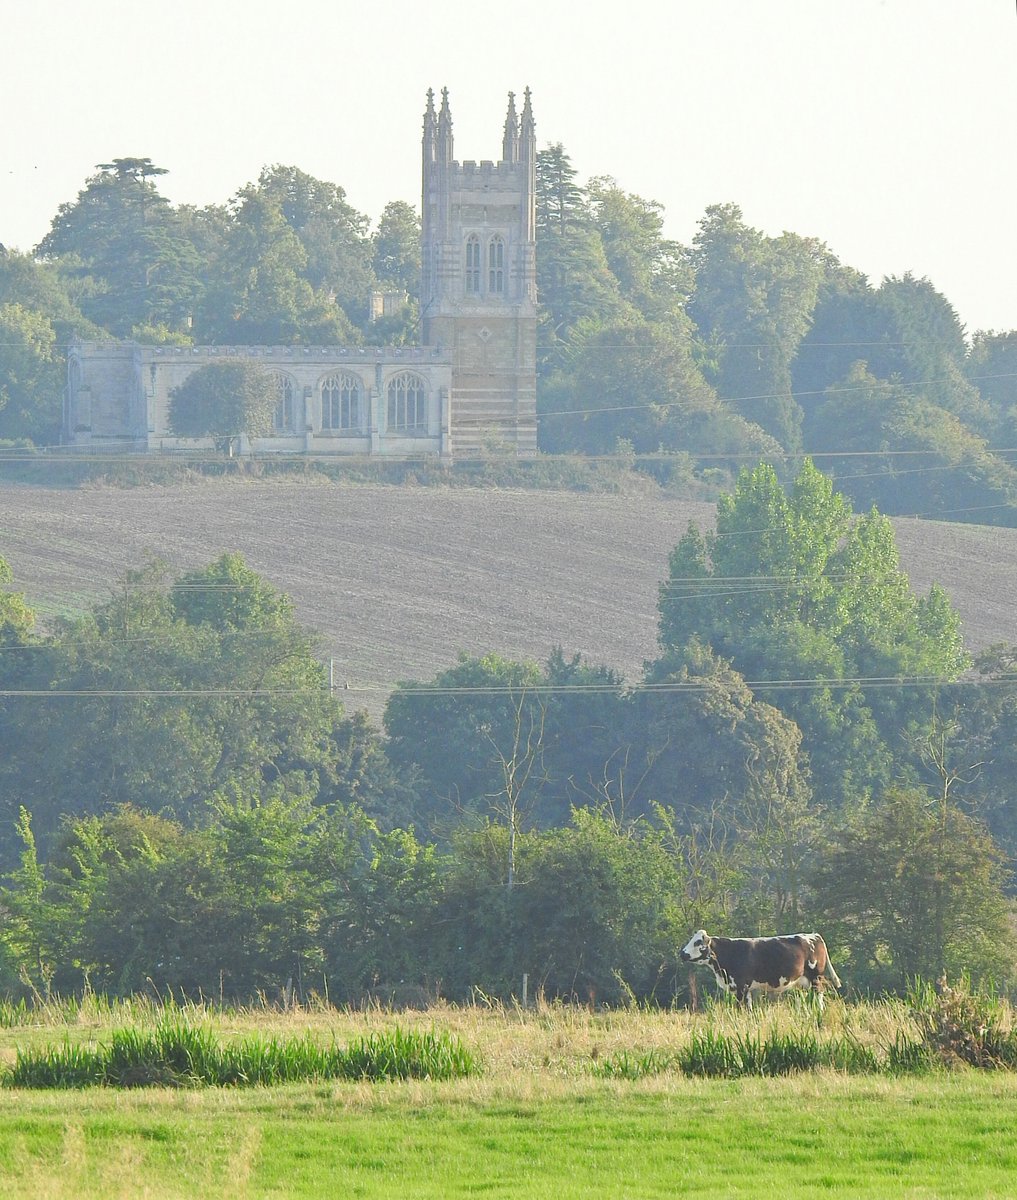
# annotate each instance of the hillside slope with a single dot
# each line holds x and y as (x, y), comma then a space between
(398, 580)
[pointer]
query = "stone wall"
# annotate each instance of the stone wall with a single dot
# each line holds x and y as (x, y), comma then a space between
(118, 394)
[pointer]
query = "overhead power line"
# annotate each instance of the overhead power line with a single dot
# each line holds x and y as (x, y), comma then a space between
(874, 385)
(986, 336)
(150, 693)
(423, 690)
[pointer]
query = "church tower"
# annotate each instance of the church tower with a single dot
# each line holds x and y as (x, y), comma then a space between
(479, 284)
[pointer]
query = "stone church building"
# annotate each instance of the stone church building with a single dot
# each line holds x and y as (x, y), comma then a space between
(469, 388)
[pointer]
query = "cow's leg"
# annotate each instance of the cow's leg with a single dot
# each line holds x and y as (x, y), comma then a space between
(815, 985)
(744, 994)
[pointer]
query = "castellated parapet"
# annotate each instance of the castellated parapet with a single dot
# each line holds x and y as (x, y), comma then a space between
(479, 278)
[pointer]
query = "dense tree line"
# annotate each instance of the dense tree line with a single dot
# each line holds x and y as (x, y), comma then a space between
(736, 347)
(743, 345)
(182, 799)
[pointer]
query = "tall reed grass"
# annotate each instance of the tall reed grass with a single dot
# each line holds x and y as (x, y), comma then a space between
(711, 1053)
(179, 1053)
(932, 1027)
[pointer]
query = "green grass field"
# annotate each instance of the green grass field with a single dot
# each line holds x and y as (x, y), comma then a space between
(537, 1122)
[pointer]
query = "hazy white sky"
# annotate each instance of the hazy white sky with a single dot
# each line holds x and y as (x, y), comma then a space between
(883, 127)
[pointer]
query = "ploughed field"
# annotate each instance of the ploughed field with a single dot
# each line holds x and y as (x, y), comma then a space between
(399, 579)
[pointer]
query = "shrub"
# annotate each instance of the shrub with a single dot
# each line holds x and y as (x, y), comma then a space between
(959, 1025)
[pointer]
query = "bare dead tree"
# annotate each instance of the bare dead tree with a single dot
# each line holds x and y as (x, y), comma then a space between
(933, 751)
(521, 767)
(611, 791)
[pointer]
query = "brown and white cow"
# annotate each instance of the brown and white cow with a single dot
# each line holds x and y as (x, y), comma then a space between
(772, 964)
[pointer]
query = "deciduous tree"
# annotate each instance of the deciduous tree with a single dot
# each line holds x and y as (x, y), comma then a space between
(914, 887)
(162, 699)
(334, 236)
(752, 303)
(222, 401)
(262, 293)
(396, 247)
(16, 618)
(640, 383)
(796, 591)
(31, 376)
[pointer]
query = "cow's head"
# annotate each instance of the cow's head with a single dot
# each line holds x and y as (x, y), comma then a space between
(698, 948)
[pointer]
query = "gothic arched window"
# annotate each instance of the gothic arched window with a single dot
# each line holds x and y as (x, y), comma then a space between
(341, 402)
(496, 266)
(282, 417)
(472, 265)
(407, 404)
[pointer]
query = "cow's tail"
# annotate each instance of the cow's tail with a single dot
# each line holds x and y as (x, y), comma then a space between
(830, 973)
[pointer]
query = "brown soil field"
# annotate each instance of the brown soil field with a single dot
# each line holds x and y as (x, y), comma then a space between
(398, 580)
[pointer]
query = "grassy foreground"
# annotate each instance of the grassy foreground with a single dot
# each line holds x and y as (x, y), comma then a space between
(538, 1122)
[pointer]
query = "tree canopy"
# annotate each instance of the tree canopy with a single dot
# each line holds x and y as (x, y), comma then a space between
(810, 600)
(16, 618)
(913, 889)
(175, 691)
(223, 400)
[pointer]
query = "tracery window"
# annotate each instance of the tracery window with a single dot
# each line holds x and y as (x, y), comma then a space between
(282, 417)
(496, 266)
(472, 265)
(341, 402)
(407, 404)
